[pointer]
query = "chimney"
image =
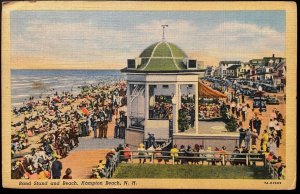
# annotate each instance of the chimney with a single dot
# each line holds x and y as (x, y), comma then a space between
(273, 55)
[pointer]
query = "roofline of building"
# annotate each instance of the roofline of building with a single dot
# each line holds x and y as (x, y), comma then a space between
(233, 67)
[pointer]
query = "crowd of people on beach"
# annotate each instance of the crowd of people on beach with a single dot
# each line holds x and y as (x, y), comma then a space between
(53, 127)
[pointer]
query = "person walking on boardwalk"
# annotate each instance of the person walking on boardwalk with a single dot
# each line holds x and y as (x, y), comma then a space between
(244, 112)
(94, 125)
(56, 168)
(105, 127)
(116, 131)
(265, 139)
(254, 136)
(243, 98)
(101, 123)
(242, 134)
(247, 139)
(257, 124)
(122, 124)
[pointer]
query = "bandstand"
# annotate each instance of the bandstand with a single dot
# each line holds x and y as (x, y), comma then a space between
(162, 96)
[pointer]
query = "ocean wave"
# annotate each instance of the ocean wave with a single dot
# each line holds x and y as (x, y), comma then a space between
(37, 93)
(20, 96)
(59, 87)
(16, 104)
(22, 84)
(23, 87)
(48, 78)
(16, 81)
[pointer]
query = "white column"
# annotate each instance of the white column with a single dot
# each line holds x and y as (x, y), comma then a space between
(146, 103)
(128, 104)
(175, 110)
(179, 96)
(196, 108)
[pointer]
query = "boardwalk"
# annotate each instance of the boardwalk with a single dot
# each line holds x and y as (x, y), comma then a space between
(82, 161)
(87, 155)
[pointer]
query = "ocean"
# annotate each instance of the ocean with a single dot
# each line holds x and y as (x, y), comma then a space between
(36, 83)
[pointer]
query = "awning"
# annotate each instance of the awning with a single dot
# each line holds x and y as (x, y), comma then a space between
(205, 91)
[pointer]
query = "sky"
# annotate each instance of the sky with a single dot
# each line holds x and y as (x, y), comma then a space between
(106, 39)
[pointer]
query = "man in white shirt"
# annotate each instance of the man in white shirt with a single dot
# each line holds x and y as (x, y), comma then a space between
(271, 125)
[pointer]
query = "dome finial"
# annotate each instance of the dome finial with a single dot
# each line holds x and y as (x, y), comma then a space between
(163, 26)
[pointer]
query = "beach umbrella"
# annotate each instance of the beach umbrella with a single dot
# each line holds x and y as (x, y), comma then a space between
(55, 99)
(85, 111)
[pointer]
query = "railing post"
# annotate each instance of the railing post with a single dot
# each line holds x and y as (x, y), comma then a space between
(152, 158)
(131, 157)
(247, 159)
(173, 160)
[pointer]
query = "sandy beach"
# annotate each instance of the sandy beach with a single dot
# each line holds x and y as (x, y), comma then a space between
(34, 140)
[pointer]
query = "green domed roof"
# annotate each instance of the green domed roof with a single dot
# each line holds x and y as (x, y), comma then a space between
(162, 56)
(163, 49)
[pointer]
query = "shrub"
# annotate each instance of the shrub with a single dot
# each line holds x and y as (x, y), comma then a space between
(231, 124)
(183, 121)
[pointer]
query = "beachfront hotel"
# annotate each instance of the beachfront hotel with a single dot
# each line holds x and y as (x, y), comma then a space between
(162, 99)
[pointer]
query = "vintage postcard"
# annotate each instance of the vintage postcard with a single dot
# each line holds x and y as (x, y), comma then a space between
(174, 95)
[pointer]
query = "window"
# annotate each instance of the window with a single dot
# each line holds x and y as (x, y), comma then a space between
(131, 63)
(160, 102)
(137, 99)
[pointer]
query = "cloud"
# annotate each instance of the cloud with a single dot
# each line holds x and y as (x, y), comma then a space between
(250, 36)
(241, 41)
(72, 42)
(87, 42)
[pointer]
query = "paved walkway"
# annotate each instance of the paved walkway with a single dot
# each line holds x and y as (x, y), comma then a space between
(90, 143)
(210, 127)
(81, 162)
(265, 117)
(87, 155)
